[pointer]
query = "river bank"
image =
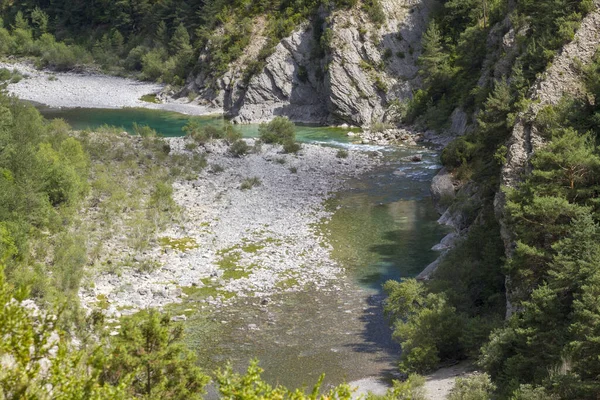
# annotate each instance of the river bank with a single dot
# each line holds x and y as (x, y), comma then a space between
(233, 242)
(93, 90)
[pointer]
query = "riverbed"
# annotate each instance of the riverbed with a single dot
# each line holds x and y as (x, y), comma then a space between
(374, 223)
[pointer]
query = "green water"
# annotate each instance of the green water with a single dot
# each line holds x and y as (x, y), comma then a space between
(170, 123)
(383, 227)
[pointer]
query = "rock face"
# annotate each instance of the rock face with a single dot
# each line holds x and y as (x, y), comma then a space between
(362, 70)
(560, 79)
(442, 190)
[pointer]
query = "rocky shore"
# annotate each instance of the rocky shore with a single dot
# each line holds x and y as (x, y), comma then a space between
(232, 242)
(403, 136)
(92, 90)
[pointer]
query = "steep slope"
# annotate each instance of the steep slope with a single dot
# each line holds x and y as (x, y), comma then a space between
(339, 67)
(560, 79)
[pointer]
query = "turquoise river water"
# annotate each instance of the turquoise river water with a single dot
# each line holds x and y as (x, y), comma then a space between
(383, 228)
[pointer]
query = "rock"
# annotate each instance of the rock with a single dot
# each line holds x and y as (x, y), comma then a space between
(351, 134)
(352, 84)
(442, 190)
(179, 318)
(447, 243)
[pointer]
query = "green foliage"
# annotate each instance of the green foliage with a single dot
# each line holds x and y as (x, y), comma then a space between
(40, 363)
(474, 387)
(341, 153)
(279, 131)
(149, 348)
(375, 11)
(425, 325)
(413, 388)
(250, 183)
(239, 148)
(250, 386)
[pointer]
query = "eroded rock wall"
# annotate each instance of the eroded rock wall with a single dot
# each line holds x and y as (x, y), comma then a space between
(363, 69)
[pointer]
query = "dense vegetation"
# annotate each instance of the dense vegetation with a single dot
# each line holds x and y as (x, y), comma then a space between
(548, 347)
(158, 40)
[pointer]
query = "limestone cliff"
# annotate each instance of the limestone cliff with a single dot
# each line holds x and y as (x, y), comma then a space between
(350, 77)
(560, 79)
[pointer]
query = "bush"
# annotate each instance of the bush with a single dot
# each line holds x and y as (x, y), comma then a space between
(291, 147)
(203, 134)
(280, 131)
(230, 133)
(249, 183)
(341, 153)
(239, 148)
(162, 197)
(375, 11)
(144, 131)
(425, 324)
(458, 153)
(153, 64)
(475, 387)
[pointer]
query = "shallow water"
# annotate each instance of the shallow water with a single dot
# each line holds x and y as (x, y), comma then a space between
(170, 124)
(383, 227)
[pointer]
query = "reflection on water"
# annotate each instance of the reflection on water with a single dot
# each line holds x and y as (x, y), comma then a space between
(385, 226)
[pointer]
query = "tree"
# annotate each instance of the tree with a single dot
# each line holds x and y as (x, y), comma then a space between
(180, 41)
(38, 362)
(39, 20)
(426, 326)
(435, 68)
(149, 348)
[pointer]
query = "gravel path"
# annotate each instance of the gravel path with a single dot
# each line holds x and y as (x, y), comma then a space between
(86, 90)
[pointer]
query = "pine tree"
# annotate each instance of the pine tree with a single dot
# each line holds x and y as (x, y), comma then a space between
(434, 60)
(149, 347)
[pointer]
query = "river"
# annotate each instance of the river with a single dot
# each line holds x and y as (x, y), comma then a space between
(383, 227)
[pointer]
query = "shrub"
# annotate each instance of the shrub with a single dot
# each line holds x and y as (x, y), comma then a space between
(249, 183)
(529, 392)
(153, 64)
(374, 11)
(413, 388)
(475, 387)
(239, 148)
(426, 326)
(202, 134)
(230, 133)
(341, 153)
(162, 197)
(216, 168)
(291, 147)
(280, 130)
(144, 131)
(459, 152)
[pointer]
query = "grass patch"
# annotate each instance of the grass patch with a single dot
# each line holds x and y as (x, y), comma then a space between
(150, 98)
(250, 183)
(287, 283)
(180, 244)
